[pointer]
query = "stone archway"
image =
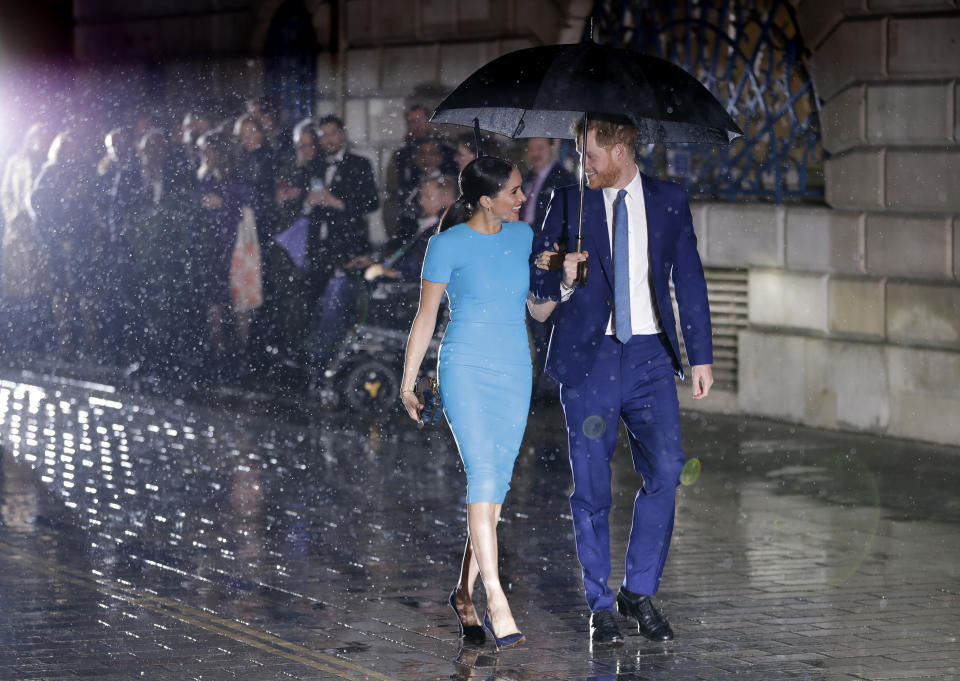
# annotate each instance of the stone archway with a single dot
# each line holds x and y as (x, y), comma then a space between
(289, 51)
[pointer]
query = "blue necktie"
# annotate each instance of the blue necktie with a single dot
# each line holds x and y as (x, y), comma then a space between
(621, 269)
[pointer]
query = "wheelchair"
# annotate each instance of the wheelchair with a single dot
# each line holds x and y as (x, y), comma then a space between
(362, 372)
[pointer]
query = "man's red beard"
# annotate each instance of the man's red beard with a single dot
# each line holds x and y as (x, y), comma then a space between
(600, 180)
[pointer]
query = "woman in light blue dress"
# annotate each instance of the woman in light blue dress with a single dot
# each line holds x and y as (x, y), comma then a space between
(479, 258)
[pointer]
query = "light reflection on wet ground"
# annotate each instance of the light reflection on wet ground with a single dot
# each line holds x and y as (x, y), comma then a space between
(182, 541)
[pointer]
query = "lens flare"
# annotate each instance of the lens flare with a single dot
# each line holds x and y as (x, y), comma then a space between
(691, 472)
(594, 427)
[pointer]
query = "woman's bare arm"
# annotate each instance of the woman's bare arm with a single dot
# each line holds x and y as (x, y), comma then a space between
(540, 309)
(421, 333)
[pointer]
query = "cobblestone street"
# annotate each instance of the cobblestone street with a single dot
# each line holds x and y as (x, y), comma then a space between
(152, 538)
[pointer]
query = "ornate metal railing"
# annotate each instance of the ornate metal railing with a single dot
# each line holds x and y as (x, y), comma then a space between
(750, 54)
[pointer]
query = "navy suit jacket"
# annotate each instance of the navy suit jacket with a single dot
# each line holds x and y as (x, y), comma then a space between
(581, 321)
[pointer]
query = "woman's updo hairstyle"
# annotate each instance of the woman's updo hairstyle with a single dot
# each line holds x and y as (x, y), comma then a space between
(484, 176)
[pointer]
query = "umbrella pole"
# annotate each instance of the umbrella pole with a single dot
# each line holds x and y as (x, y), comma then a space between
(582, 268)
(476, 136)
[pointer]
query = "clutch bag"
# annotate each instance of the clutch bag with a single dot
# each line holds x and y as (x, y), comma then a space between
(429, 395)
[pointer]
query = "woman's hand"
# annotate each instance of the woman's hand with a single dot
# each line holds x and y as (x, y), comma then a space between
(412, 404)
(552, 261)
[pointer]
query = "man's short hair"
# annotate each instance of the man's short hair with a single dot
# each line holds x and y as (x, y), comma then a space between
(609, 131)
(418, 107)
(330, 118)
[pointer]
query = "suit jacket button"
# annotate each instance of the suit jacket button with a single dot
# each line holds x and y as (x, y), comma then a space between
(608, 303)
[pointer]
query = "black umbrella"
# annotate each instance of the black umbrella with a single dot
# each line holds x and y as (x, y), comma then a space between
(541, 91)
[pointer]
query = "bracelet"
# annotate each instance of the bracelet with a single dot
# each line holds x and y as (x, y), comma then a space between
(408, 391)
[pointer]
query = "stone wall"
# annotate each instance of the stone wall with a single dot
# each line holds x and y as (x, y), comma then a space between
(855, 307)
(838, 337)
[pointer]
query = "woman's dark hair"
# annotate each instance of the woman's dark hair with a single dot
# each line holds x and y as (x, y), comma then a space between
(484, 176)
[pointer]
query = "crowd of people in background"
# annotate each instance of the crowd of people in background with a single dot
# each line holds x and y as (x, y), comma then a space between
(224, 247)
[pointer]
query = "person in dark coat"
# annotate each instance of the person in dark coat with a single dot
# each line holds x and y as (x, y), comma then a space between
(400, 260)
(285, 295)
(24, 277)
(339, 230)
(120, 192)
(404, 174)
(257, 169)
(159, 230)
(546, 174)
(23, 263)
(295, 178)
(221, 196)
(61, 203)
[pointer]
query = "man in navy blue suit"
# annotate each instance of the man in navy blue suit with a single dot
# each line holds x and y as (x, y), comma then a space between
(614, 351)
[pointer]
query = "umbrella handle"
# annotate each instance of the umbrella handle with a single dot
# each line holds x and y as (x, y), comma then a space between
(583, 268)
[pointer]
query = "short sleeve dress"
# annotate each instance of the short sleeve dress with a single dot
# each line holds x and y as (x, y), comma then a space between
(484, 367)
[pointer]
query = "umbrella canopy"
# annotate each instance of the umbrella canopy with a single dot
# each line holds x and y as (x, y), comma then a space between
(540, 91)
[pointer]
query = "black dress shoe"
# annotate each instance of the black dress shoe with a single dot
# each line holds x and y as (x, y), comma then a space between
(650, 622)
(604, 630)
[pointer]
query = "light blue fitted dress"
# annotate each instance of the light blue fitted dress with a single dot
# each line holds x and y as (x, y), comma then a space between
(484, 367)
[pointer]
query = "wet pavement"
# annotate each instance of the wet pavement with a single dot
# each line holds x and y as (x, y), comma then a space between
(153, 538)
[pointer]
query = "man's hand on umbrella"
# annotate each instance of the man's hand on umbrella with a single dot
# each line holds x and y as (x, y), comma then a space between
(702, 380)
(570, 263)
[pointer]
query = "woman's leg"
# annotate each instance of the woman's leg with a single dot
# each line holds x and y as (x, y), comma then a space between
(482, 518)
(463, 594)
(469, 570)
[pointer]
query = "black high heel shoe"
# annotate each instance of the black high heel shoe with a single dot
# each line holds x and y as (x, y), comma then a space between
(471, 633)
(508, 641)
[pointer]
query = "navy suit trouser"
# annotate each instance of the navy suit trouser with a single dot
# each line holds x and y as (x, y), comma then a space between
(633, 382)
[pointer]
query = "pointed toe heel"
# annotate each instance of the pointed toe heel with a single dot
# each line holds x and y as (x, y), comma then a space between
(508, 641)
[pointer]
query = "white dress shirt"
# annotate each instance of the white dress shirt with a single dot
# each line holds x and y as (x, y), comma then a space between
(333, 164)
(643, 317)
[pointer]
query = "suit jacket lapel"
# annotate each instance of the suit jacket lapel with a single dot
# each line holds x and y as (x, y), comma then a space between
(653, 209)
(595, 230)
